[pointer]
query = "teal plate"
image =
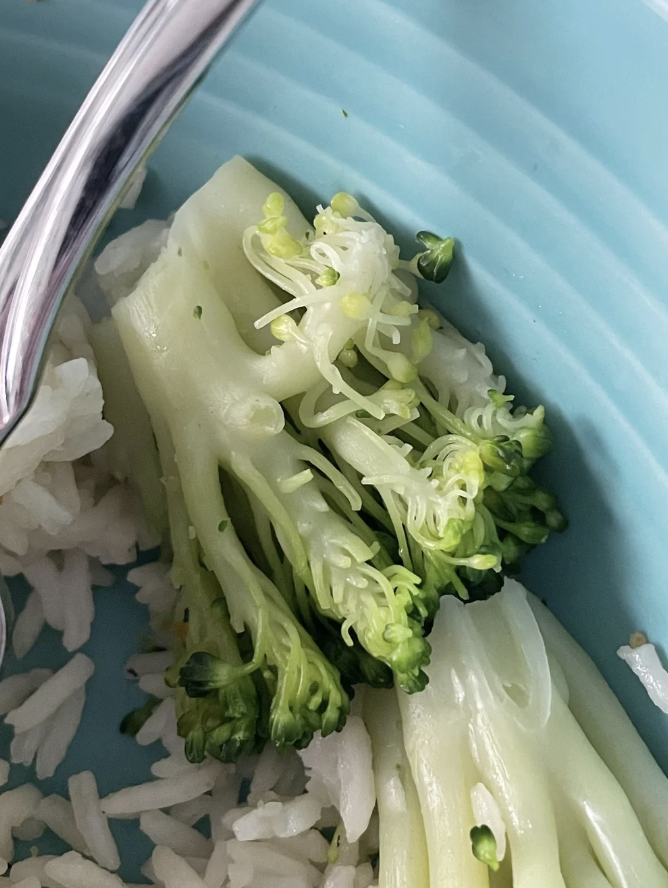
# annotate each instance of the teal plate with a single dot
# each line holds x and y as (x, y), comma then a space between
(535, 132)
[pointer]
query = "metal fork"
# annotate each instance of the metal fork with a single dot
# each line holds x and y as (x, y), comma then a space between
(147, 81)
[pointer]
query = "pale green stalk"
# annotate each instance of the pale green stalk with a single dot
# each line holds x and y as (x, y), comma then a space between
(180, 361)
(435, 727)
(506, 760)
(212, 223)
(578, 861)
(610, 731)
(599, 803)
(211, 226)
(436, 746)
(132, 451)
(403, 849)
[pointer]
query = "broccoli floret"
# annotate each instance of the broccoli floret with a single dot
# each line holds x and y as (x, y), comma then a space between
(483, 845)
(435, 263)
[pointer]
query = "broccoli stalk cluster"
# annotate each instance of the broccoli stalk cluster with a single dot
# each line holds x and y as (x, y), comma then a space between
(332, 463)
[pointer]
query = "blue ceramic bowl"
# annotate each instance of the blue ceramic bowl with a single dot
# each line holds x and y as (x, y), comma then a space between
(535, 133)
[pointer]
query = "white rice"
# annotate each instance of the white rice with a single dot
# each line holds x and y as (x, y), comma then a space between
(34, 867)
(56, 494)
(253, 860)
(173, 871)
(134, 188)
(30, 882)
(155, 686)
(192, 812)
(91, 821)
(161, 793)
(57, 814)
(643, 658)
(50, 696)
(16, 689)
(24, 745)
(16, 806)
(73, 871)
(123, 261)
(309, 845)
(29, 830)
(182, 839)
(279, 819)
(340, 877)
(148, 664)
(173, 766)
(76, 594)
(340, 768)
(217, 867)
(28, 625)
(43, 492)
(155, 727)
(43, 577)
(271, 765)
(62, 729)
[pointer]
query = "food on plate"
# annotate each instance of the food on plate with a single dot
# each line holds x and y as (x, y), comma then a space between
(350, 685)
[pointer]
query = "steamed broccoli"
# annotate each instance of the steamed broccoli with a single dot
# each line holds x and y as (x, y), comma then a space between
(338, 461)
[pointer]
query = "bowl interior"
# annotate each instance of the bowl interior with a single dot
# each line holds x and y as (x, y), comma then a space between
(533, 132)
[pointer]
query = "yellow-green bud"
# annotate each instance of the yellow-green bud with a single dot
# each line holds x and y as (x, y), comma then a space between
(400, 368)
(483, 562)
(355, 305)
(344, 204)
(328, 278)
(283, 245)
(272, 224)
(274, 205)
(283, 328)
(422, 342)
(349, 358)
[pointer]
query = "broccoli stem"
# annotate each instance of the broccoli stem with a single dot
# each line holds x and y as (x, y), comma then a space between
(208, 631)
(199, 585)
(181, 365)
(578, 862)
(256, 603)
(599, 803)
(403, 847)
(132, 450)
(504, 752)
(436, 747)
(210, 226)
(610, 730)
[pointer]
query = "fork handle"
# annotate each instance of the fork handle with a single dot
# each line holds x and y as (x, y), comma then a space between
(146, 82)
